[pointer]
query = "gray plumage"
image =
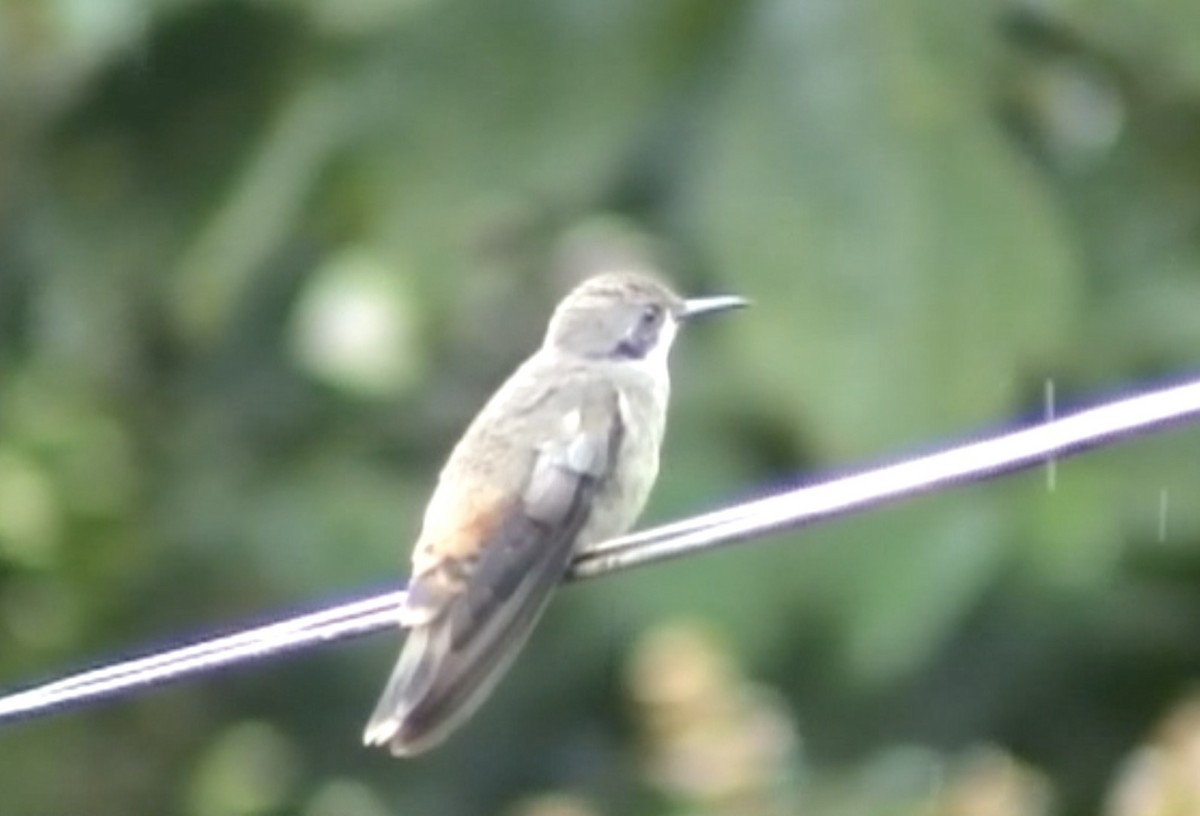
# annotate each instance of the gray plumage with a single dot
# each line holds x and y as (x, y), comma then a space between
(563, 455)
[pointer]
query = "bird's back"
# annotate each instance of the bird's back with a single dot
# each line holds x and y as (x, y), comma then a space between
(552, 463)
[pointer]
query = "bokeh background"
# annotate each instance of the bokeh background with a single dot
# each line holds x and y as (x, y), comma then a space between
(260, 261)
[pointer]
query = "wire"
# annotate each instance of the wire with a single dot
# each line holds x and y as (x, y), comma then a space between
(970, 462)
(787, 509)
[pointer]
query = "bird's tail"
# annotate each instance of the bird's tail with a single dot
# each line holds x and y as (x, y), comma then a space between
(454, 658)
(409, 683)
(438, 683)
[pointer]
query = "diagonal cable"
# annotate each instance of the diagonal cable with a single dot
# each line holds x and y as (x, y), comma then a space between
(787, 509)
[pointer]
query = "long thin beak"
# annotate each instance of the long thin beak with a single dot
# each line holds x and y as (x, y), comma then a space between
(698, 307)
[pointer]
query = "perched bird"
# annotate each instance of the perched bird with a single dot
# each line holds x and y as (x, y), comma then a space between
(562, 456)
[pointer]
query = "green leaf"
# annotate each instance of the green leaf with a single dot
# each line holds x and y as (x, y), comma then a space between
(907, 265)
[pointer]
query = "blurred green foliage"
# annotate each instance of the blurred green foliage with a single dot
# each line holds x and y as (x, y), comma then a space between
(260, 260)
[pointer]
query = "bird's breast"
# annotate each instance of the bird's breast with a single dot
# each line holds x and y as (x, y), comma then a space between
(623, 495)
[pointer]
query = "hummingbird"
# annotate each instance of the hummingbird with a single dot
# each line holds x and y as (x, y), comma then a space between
(562, 456)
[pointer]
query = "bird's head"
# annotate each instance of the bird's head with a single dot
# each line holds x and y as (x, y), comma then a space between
(625, 316)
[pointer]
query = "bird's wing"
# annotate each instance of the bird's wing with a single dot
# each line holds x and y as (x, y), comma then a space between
(478, 593)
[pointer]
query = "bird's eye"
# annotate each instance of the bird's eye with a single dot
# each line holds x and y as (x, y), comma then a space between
(644, 334)
(652, 315)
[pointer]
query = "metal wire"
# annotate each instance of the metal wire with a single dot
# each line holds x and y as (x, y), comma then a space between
(788, 509)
